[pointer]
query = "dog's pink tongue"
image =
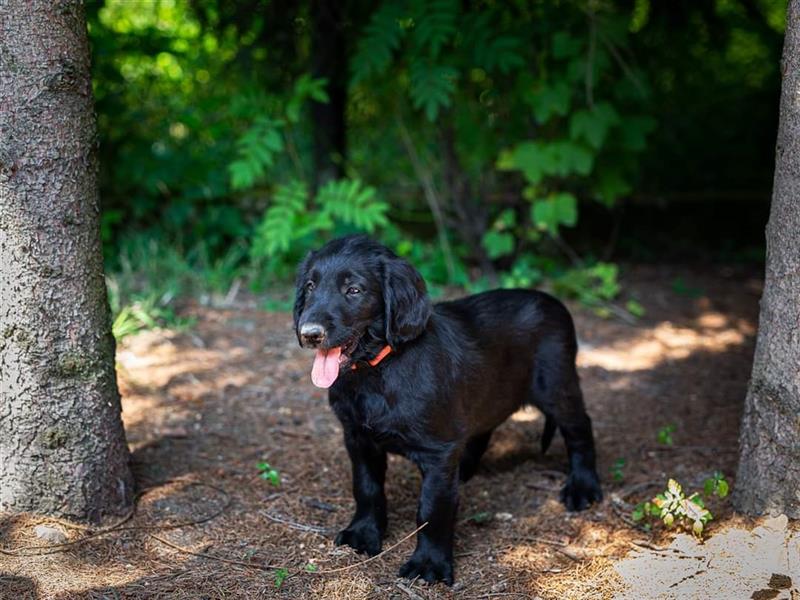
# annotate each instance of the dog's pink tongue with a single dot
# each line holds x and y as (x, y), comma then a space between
(326, 367)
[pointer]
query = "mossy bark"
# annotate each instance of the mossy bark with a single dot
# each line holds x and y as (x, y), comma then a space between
(62, 445)
(769, 466)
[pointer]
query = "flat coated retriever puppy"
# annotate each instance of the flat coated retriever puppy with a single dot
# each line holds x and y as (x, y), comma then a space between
(431, 383)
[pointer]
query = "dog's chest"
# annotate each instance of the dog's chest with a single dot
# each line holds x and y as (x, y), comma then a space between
(376, 417)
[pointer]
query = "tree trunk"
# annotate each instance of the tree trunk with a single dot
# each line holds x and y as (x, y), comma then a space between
(62, 446)
(329, 61)
(769, 467)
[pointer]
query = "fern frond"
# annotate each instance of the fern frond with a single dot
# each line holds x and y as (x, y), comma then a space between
(380, 39)
(432, 87)
(276, 231)
(256, 151)
(352, 203)
(490, 51)
(436, 23)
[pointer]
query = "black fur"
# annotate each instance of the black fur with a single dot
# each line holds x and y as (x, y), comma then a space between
(457, 371)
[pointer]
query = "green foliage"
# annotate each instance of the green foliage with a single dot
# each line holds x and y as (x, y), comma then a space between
(594, 286)
(479, 518)
(555, 210)
(664, 435)
(378, 42)
(675, 508)
(436, 23)
(492, 50)
(149, 278)
(617, 470)
(284, 221)
(592, 125)
(680, 287)
(349, 202)
(522, 114)
(256, 152)
(293, 223)
(280, 576)
(268, 473)
(716, 485)
(432, 87)
(635, 308)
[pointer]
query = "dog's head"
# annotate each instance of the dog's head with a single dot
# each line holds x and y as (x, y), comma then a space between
(355, 296)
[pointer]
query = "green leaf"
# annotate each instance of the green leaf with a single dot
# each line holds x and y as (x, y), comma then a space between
(635, 308)
(376, 45)
(527, 157)
(551, 100)
(305, 88)
(664, 435)
(311, 568)
(722, 488)
(435, 24)
(280, 576)
(566, 45)
(593, 125)
(351, 203)
(634, 132)
(497, 243)
(432, 87)
(256, 152)
(565, 157)
(610, 186)
(554, 211)
(480, 518)
(277, 229)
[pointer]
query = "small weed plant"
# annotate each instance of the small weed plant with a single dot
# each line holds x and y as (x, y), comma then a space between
(268, 473)
(675, 508)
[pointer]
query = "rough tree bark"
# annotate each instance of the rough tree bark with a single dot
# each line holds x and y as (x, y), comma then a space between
(62, 446)
(768, 480)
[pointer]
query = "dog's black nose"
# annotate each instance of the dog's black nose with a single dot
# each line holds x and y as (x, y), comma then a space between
(311, 335)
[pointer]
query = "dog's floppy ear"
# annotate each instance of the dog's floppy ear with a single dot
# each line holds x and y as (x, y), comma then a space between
(406, 301)
(300, 288)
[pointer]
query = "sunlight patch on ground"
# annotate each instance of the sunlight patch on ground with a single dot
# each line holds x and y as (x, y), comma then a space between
(526, 415)
(665, 342)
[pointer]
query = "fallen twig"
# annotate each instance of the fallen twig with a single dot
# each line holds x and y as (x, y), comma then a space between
(371, 558)
(408, 591)
(118, 526)
(215, 558)
(319, 530)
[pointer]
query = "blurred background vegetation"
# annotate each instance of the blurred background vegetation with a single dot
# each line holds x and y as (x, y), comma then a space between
(513, 143)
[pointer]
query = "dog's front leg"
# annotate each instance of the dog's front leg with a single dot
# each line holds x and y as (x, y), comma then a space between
(438, 503)
(366, 530)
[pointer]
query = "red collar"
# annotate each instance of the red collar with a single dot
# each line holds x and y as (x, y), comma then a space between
(386, 351)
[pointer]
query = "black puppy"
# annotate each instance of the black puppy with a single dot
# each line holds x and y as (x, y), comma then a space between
(431, 383)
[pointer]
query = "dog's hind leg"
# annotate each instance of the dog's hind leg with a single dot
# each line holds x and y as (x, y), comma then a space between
(471, 457)
(557, 393)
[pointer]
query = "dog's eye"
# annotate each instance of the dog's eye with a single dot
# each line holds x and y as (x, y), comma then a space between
(352, 291)
(310, 285)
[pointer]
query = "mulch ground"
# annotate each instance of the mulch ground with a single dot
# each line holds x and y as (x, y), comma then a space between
(202, 408)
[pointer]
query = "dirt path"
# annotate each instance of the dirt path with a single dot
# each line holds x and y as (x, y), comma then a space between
(206, 406)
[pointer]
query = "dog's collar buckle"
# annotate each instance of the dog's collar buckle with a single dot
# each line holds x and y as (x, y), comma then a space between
(385, 351)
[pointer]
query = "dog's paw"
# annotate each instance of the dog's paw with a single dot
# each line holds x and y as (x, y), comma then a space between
(581, 490)
(428, 568)
(362, 536)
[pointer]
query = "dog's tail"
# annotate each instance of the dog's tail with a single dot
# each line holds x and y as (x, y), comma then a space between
(548, 433)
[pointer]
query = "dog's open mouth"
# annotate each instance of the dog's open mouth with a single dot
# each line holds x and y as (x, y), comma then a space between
(328, 361)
